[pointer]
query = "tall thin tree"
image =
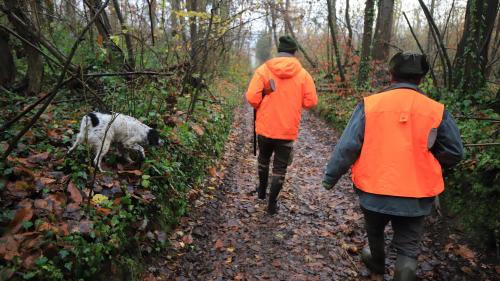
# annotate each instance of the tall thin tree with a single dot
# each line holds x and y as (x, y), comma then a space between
(383, 30)
(472, 52)
(367, 41)
(333, 32)
(349, 33)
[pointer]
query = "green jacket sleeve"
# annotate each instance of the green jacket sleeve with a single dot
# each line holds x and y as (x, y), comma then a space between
(347, 149)
(448, 148)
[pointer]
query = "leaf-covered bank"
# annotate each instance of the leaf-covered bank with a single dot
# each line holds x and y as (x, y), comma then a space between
(62, 221)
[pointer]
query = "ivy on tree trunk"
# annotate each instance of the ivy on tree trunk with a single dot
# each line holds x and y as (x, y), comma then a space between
(472, 53)
(367, 41)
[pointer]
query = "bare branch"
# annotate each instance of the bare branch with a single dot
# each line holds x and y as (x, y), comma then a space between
(439, 42)
(420, 47)
(56, 88)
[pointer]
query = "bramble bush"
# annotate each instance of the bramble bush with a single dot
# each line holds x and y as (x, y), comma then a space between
(473, 186)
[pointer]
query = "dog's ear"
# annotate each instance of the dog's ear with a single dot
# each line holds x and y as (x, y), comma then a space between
(153, 137)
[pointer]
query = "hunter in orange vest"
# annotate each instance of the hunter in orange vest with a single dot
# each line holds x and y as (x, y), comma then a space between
(397, 142)
(278, 91)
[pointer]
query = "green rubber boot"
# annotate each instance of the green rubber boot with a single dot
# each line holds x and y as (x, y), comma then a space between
(374, 256)
(405, 269)
(263, 181)
(276, 185)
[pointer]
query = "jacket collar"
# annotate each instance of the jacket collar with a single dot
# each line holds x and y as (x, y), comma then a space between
(284, 54)
(410, 86)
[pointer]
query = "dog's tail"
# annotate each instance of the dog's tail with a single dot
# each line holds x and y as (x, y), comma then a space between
(85, 124)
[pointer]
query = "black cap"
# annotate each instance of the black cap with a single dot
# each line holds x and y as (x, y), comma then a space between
(408, 65)
(287, 44)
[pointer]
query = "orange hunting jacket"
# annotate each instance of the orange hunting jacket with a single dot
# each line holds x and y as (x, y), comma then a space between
(279, 112)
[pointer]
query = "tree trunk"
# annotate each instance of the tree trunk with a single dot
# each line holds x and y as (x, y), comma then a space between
(367, 41)
(177, 22)
(472, 52)
(114, 22)
(192, 5)
(8, 69)
(35, 70)
(116, 57)
(102, 23)
(329, 57)
(333, 31)
(383, 30)
(272, 8)
(174, 21)
(128, 39)
(162, 17)
(70, 12)
(287, 8)
(494, 50)
(34, 59)
(429, 30)
(50, 8)
(273, 22)
(152, 18)
(349, 34)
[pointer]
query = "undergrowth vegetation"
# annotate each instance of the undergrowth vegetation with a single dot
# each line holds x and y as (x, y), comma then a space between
(78, 224)
(473, 186)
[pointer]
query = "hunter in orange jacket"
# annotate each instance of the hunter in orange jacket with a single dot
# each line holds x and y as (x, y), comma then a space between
(279, 112)
(278, 91)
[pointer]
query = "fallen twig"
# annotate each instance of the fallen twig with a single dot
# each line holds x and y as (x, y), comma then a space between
(478, 118)
(128, 73)
(481, 144)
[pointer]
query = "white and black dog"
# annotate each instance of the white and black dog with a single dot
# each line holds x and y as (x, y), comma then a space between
(118, 128)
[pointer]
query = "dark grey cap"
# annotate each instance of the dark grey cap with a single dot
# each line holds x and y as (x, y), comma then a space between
(408, 65)
(287, 44)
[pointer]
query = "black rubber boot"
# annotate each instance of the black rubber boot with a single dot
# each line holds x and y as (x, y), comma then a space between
(263, 181)
(405, 269)
(276, 185)
(374, 255)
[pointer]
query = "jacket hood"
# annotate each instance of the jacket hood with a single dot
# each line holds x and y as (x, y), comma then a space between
(284, 67)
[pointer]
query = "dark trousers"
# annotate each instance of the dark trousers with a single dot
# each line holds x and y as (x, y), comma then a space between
(282, 150)
(408, 231)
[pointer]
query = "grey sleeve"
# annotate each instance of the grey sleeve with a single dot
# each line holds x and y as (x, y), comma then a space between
(347, 149)
(448, 148)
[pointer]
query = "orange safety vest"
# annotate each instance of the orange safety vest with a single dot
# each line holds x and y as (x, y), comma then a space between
(395, 159)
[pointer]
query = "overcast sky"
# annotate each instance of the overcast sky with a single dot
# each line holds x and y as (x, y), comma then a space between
(315, 10)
